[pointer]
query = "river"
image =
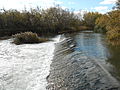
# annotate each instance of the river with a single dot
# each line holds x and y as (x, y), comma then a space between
(85, 61)
(76, 61)
(95, 45)
(26, 66)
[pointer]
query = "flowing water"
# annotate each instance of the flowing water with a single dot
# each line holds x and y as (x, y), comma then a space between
(84, 61)
(25, 67)
(79, 61)
(94, 45)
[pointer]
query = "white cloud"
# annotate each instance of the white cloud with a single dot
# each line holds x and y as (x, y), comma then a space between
(108, 2)
(80, 13)
(63, 7)
(20, 4)
(100, 8)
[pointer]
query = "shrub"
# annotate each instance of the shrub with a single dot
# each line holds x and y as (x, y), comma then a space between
(27, 37)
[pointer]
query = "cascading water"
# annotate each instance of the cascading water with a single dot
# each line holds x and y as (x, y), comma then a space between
(25, 67)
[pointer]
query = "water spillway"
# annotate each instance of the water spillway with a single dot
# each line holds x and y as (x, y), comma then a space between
(25, 67)
(76, 61)
(78, 64)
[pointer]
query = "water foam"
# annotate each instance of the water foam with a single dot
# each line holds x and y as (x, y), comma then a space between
(25, 67)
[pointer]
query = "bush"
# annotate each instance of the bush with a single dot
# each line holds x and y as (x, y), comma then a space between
(27, 37)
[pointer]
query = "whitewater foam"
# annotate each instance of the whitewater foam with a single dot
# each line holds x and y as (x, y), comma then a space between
(25, 67)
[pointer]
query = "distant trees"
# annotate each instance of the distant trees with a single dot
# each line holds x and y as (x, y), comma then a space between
(110, 24)
(57, 20)
(117, 5)
(113, 27)
(51, 20)
(101, 23)
(90, 18)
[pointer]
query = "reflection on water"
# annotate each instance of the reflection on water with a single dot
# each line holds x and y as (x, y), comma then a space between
(91, 44)
(94, 45)
(114, 60)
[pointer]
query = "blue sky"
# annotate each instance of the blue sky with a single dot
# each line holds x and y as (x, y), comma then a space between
(90, 5)
(76, 5)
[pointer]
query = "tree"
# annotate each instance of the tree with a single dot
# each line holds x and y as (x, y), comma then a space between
(113, 27)
(117, 5)
(101, 23)
(51, 20)
(90, 18)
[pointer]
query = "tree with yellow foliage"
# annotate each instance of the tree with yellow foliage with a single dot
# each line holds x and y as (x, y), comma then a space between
(90, 18)
(113, 27)
(101, 23)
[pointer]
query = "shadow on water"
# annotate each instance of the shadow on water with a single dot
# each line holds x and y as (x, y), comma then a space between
(114, 60)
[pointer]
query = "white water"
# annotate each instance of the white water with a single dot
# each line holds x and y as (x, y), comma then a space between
(25, 67)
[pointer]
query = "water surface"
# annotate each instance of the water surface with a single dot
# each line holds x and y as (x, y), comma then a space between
(95, 45)
(81, 62)
(26, 66)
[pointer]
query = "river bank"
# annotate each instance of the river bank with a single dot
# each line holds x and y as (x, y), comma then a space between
(72, 69)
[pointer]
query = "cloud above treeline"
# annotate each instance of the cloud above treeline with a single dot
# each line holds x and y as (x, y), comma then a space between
(105, 2)
(20, 4)
(99, 8)
(103, 8)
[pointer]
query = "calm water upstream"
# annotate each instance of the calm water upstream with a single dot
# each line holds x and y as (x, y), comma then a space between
(94, 45)
(84, 61)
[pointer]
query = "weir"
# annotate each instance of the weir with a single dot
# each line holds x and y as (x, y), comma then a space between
(74, 67)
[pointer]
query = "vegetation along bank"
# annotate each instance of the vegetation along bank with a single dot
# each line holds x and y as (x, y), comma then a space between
(56, 20)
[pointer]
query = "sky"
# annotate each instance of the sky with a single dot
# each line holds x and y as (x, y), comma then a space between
(101, 6)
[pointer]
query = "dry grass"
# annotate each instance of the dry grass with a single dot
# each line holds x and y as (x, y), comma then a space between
(27, 38)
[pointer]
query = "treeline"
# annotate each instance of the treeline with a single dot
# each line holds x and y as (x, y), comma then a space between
(57, 20)
(108, 23)
(51, 20)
